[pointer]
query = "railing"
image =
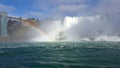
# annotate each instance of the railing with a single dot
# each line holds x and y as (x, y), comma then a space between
(26, 21)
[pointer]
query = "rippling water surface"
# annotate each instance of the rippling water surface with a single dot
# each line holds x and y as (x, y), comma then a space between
(60, 55)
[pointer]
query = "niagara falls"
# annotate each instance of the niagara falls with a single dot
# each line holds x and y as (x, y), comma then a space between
(59, 34)
(82, 28)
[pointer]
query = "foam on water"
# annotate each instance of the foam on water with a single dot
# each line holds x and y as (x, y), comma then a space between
(97, 44)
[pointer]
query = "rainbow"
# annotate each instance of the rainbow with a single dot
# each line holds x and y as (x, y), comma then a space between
(44, 34)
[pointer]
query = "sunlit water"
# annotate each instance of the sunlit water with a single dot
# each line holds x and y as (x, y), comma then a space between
(60, 55)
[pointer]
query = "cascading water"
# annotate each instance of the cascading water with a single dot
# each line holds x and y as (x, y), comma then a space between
(87, 28)
(96, 28)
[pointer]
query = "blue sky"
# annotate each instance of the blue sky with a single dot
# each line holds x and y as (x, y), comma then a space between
(58, 8)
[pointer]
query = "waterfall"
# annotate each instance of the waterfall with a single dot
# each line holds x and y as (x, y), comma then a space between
(83, 28)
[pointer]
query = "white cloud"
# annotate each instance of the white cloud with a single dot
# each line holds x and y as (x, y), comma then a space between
(47, 4)
(72, 8)
(68, 10)
(106, 6)
(69, 1)
(57, 8)
(6, 8)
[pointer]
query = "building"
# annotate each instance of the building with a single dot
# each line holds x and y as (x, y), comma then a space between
(3, 24)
